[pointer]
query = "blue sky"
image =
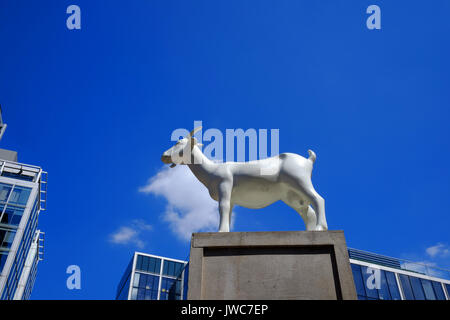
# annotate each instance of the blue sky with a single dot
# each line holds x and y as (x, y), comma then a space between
(96, 107)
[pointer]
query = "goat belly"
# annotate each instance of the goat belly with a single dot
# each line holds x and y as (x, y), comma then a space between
(255, 197)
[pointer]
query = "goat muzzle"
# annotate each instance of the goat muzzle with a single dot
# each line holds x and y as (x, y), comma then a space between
(166, 159)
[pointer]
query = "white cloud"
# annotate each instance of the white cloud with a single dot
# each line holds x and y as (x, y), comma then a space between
(438, 250)
(130, 234)
(189, 207)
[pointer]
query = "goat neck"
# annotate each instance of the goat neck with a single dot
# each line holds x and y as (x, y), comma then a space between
(201, 166)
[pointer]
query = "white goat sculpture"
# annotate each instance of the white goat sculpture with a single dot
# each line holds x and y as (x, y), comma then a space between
(253, 184)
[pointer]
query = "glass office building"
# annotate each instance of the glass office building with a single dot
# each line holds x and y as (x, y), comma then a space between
(379, 277)
(150, 277)
(22, 197)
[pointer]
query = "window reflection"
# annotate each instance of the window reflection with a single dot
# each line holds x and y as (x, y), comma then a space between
(428, 289)
(392, 283)
(438, 291)
(148, 264)
(145, 287)
(369, 288)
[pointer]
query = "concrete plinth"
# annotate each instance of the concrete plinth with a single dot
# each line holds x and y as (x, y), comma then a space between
(270, 265)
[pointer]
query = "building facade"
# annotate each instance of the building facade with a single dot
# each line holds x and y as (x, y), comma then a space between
(22, 198)
(379, 277)
(376, 277)
(150, 277)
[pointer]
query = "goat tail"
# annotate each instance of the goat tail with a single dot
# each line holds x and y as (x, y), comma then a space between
(312, 156)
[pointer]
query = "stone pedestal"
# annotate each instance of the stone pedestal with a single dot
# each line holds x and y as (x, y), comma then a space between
(270, 265)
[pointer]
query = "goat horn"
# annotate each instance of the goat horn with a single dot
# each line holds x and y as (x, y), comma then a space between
(191, 134)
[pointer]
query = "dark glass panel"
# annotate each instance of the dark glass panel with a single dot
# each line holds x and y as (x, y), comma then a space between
(17, 176)
(5, 189)
(178, 268)
(19, 195)
(406, 286)
(148, 294)
(157, 265)
(141, 294)
(6, 238)
(169, 268)
(156, 283)
(165, 267)
(142, 280)
(438, 290)
(371, 293)
(428, 289)
(393, 287)
(3, 257)
(383, 292)
(359, 282)
(178, 287)
(447, 287)
(417, 288)
(145, 263)
(185, 282)
(151, 265)
(139, 262)
(12, 215)
(152, 282)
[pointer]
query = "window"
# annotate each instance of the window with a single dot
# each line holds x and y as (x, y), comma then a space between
(142, 280)
(437, 286)
(141, 294)
(134, 294)
(155, 265)
(3, 257)
(428, 289)
(6, 238)
(148, 264)
(371, 294)
(12, 216)
(406, 286)
(139, 262)
(145, 287)
(393, 288)
(185, 282)
(15, 198)
(17, 176)
(166, 293)
(20, 195)
(136, 279)
(5, 189)
(417, 288)
(144, 263)
(23, 248)
(383, 292)
(421, 289)
(366, 284)
(359, 282)
(172, 268)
